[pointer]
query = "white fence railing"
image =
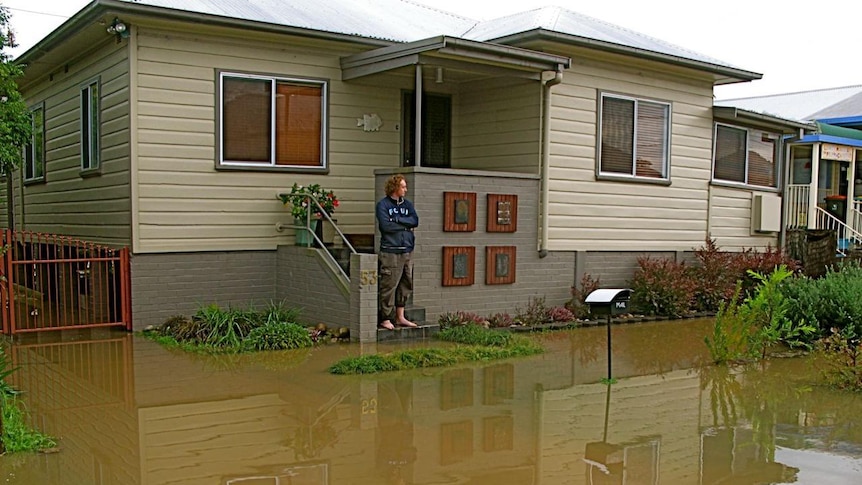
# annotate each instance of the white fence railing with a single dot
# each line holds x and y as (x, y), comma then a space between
(796, 206)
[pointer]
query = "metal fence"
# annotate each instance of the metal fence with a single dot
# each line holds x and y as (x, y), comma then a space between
(52, 282)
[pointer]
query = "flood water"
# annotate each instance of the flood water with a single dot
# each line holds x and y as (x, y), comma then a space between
(127, 411)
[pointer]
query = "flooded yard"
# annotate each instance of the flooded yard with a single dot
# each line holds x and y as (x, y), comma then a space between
(127, 411)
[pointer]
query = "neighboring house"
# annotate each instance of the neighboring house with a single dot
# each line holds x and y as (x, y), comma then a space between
(824, 177)
(576, 145)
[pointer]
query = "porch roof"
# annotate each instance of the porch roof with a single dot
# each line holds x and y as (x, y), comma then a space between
(453, 52)
(839, 135)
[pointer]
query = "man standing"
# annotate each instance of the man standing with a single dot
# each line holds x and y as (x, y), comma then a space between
(396, 219)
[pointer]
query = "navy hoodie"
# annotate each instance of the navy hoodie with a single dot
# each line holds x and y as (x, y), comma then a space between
(396, 220)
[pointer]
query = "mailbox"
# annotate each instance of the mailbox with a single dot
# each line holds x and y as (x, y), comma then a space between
(609, 301)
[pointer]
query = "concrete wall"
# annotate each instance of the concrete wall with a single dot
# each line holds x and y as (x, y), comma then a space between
(302, 280)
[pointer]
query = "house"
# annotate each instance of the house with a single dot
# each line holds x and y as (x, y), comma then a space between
(824, 176)
(574, 145)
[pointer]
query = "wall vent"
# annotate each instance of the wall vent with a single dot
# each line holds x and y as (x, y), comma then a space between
(765, 213)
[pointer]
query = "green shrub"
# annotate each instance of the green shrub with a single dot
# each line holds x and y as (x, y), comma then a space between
(841, 354)
(662, 287)
(576, 304)
(277, 335)
(730, 340)
(455, 319)
(534, 314)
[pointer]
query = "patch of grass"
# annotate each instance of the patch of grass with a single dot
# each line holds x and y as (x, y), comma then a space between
(478, 344)
(17, 435)
(214, 330)
(278, 335)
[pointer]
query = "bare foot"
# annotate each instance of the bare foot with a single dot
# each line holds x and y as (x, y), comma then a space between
(386, 324)
(406, 323)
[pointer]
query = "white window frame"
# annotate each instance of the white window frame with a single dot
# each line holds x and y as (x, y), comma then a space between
(323, 84)
(746, 184)
(91, 121)
(665, 178)
(30, 172)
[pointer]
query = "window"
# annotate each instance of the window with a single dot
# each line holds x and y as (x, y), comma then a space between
(34, 151)
(272, 122)
(635, 136)
(90, 143)
(745, 156)
(436, 130)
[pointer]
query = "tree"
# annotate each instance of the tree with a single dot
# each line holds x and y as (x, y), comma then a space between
(15, 121)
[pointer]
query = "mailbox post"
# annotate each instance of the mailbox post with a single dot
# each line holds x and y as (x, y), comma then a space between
(610, 302)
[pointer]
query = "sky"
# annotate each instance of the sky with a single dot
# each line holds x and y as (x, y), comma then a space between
(796, 45)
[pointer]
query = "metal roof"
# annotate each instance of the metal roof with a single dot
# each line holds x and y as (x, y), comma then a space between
(558, 19)
(396, 20)
(804, 105)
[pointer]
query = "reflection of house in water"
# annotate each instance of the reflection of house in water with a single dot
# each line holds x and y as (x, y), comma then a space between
(129, 412)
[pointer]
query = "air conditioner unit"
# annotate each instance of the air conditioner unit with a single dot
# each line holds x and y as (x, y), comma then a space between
(765, 213)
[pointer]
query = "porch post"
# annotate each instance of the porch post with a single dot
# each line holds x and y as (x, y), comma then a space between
(417, 152)
(815, 183)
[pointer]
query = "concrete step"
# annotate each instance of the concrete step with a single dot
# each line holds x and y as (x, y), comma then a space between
(423, 331)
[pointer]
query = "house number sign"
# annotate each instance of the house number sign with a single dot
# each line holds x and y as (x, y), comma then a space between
(367, 277)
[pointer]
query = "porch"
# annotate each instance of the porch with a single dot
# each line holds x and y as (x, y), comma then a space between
(825, 189)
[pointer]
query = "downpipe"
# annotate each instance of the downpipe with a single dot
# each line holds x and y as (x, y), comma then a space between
(546, 161)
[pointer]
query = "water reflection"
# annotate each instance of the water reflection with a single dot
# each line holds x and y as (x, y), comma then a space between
(127, 411)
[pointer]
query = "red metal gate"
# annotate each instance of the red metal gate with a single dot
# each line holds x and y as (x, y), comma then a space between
(53, 282)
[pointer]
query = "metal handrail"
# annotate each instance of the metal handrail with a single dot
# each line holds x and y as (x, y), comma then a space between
(320, 210)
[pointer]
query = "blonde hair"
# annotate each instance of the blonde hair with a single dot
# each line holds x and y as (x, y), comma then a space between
(394, 183)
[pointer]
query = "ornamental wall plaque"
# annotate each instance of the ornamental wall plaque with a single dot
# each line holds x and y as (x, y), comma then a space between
(500, 265)
(459, 265)
(459, 211)
(502, 213)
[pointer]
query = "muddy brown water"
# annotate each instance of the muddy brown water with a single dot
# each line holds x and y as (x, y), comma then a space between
(129, 412)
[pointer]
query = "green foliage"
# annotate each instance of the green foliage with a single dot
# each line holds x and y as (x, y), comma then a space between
(17, 435)
(662, 287)
(750, 329)
(455, 319)
(476, 344)
(832, 301)
(432, 357)
(476, 335)
(577, 304)
(298, 200)
(841, 354)
(15, 121)
(216, 330)
(731, 332)
(278, 335)
(536, 313)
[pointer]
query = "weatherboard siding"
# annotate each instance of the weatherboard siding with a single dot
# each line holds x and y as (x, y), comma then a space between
(590, 214)
(95, 208)
(498, 125)
(730, 220)
(184, 203)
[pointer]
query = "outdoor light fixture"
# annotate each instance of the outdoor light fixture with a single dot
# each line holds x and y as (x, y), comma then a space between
(439, 79)
(119, 29)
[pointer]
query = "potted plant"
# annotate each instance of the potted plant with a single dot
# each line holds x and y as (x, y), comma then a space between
(302, 206)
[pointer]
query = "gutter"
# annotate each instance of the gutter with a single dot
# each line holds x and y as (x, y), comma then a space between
(730, 74)
(546, 160)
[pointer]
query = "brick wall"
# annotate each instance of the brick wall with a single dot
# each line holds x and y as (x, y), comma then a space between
(302, 280)
(550, 277)
(169, 284)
